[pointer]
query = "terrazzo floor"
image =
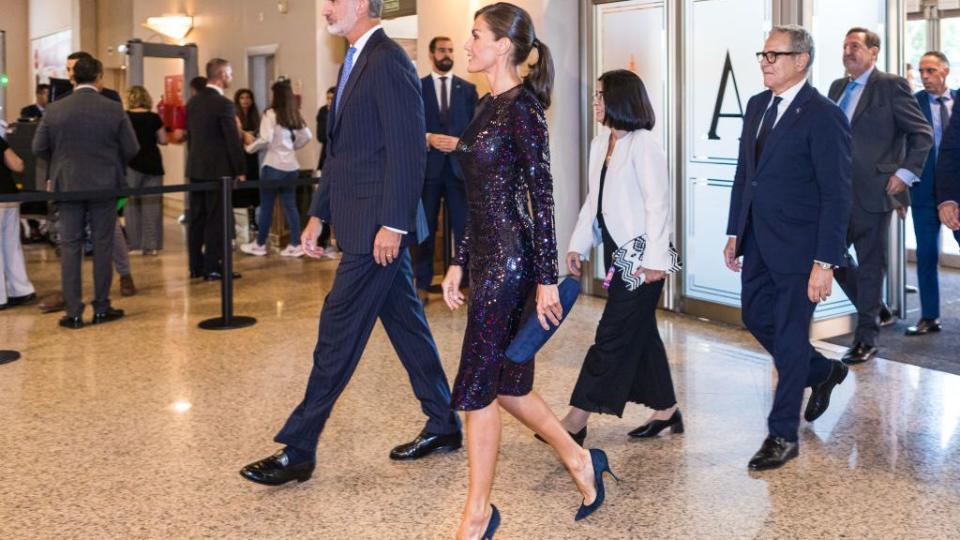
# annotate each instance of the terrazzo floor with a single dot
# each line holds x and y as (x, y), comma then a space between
(136, 429)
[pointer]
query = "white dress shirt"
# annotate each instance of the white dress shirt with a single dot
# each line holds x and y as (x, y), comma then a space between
(437, 84)
(787, 98)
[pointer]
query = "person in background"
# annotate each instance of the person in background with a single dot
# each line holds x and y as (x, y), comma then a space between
(214, 152)
(35, 111)
(88, 140)
(197, 84)
(891, 140)
(329, 251)
(15, 286)
(322, 115)
(935, 101)
(282, 132)
(248, 122)
(144, 214)
(448, 105)
(71, 63)
(628, 199)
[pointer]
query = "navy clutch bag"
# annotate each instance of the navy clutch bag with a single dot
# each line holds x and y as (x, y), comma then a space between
(532, 336)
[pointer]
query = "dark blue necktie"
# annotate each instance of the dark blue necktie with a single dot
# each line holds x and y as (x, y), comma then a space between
(766, 126)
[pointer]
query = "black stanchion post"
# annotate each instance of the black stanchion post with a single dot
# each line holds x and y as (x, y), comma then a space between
(8, 356)
(227, 320)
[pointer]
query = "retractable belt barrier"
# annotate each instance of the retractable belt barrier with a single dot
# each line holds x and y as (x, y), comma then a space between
(227, 320)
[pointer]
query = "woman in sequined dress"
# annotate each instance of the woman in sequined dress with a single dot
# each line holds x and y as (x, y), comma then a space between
(511, 252)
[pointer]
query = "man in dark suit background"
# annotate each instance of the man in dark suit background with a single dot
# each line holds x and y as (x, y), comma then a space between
(88, 140)
(948, 175)
(41, 100)
(55, 301)
(935, 101)
(891, 140)
(322, 114)
(71, 63)
(373, 177)
(448, 104)
(214, 153)
(788, 218)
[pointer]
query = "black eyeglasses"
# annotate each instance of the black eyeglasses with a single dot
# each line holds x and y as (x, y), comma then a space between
(772, 56)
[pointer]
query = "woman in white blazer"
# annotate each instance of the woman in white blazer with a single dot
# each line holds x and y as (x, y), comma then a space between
(627, 211)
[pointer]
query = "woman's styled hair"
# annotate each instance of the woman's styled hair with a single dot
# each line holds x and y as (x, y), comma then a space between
(625, 101)
(249, 120)
(284, 105)
(512, 22)
(139, 98)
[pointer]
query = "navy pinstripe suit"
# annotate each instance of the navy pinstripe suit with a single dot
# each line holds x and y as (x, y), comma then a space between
(372, 177)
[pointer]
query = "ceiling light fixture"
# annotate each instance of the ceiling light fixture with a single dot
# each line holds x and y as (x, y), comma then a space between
(173, 26)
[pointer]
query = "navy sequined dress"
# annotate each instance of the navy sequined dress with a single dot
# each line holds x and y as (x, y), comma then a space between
(505, 158)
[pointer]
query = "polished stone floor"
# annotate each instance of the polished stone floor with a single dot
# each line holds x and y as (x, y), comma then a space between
(136, 429)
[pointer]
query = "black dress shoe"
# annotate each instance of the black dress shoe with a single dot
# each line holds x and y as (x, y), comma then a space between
(860, 353)
(774, 453)
(109, 315)
(577, 437)
(217, 276)
(924, 327)
(26, 300)
(277, 469)
(654, 427)
(426, 444)
(71, 322)
(820, 397)
(886, 316)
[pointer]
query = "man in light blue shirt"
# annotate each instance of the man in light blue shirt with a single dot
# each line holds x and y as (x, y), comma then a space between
(890, 142)
(935, 101)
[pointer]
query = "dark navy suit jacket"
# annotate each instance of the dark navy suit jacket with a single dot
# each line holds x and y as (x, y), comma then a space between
(463, 101)
(798, 196)
(948, 162)
(373, 173)
(922, 193)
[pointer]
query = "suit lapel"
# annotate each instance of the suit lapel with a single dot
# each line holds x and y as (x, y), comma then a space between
(925, 106)
(752, 127)
(865, 97)
(430, 97)
(786, 121)
(356, 72)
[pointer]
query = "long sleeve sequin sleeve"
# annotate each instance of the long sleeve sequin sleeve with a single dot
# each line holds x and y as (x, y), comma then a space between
(533, 152)
(462, 255)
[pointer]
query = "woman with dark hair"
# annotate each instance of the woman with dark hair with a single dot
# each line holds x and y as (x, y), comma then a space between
(628, 202)
(248, 123)
(282, 132)
(512, 254)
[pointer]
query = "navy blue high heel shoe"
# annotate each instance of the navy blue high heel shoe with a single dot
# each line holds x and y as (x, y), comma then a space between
(492, 524)
(600, 465)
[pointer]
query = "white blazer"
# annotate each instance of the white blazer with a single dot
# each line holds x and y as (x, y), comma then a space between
(636, 197)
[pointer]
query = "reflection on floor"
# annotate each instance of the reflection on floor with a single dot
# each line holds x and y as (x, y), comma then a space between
(937, 350)
(136, 429)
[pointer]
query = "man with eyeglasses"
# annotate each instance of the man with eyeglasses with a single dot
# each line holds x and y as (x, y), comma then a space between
(935, 101)
(788, 219)
(891, 140)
